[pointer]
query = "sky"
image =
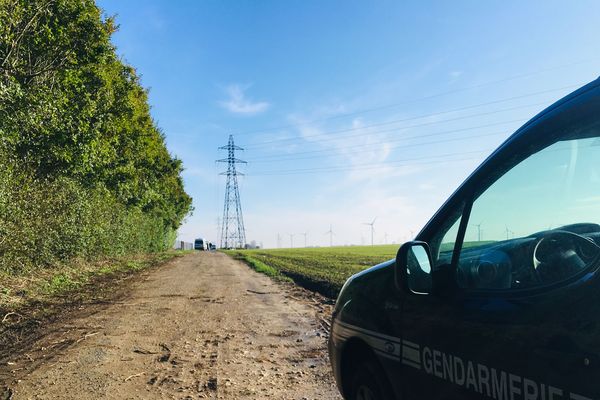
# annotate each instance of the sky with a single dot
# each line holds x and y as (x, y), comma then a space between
(348, 111)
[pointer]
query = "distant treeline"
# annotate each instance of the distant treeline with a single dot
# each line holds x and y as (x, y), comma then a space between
(84, 170)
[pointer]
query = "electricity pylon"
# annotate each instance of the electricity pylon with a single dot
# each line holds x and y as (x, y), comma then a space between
(233, 234)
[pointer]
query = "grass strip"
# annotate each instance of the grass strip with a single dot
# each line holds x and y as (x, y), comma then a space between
(18, 290)
(258, 265)
(323, 270)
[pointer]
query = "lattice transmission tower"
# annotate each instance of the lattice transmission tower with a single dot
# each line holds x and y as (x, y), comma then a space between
(233, 234)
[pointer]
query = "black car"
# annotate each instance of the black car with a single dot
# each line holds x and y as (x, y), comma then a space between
(498, 297)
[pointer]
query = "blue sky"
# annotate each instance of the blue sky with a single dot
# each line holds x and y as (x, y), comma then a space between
(348, 110)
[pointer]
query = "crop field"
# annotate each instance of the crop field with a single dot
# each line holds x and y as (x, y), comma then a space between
(322, 269)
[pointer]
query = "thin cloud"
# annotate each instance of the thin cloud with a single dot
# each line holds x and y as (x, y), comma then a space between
(375, 150)
(239, 104)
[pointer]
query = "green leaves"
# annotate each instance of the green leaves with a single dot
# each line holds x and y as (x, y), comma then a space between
(86, 170)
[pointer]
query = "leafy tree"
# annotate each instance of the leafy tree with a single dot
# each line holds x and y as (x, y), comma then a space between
(75, 133)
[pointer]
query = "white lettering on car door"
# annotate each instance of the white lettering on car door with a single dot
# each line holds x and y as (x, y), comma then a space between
(480, 378)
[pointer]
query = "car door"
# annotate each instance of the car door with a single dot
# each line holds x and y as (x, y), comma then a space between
(523, 320)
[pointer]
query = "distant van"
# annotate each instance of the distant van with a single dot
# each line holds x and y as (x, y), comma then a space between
(200, 244)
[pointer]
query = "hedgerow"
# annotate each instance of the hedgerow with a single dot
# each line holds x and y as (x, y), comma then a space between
(84, 170)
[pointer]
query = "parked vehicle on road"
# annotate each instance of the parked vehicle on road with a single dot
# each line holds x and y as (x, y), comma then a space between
(498, 297)
(200, 244)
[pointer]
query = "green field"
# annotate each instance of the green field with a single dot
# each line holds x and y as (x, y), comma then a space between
(322, 269)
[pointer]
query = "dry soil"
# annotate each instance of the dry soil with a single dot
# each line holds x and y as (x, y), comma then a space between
(200, 327)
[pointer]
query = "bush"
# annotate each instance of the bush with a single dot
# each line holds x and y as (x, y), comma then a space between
(84, 170)
(49, 222)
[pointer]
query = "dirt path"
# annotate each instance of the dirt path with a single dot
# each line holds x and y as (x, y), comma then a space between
(203, 326)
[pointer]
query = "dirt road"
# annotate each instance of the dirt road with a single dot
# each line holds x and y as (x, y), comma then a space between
(203, 326)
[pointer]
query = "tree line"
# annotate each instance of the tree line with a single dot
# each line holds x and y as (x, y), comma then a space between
(84, 169)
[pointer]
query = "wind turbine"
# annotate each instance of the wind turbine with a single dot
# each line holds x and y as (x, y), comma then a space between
(330, 233)
(292, 239)
(372, 228)
(305, 234)
(479, 231)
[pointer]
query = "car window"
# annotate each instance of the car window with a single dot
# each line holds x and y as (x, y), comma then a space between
(539, 223)
(444, 242)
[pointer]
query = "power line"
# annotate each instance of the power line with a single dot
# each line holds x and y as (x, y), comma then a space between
(417, 99)
(269, 142)
(369, 166)
(365, 147)
(364, 168)
(410, 145)
(338, 168)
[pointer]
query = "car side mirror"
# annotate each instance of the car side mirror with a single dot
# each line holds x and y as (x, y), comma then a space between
(413, 268)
